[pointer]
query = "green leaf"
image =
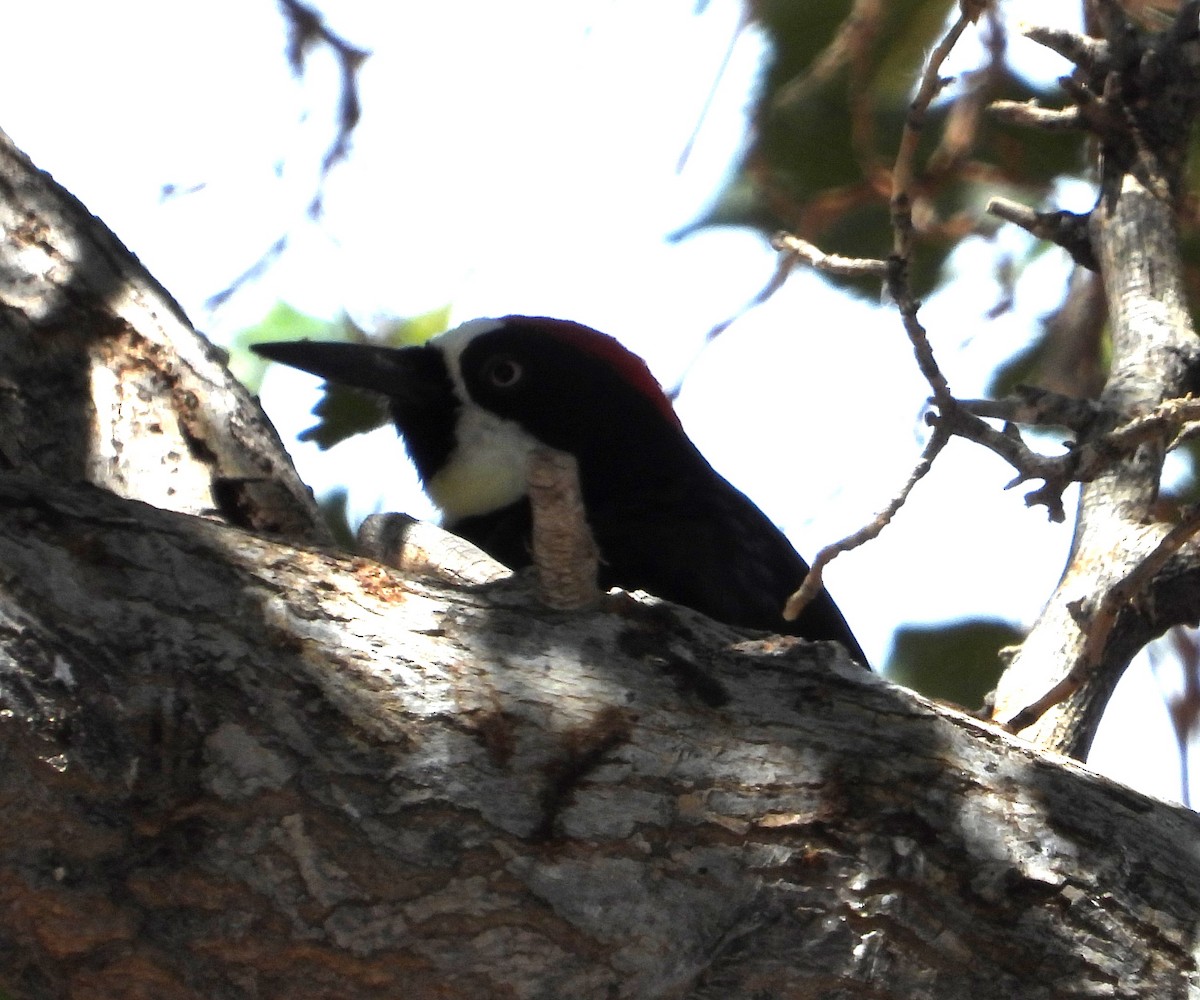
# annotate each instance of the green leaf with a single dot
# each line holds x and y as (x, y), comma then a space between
(413, 330)
(957, 662)
(343, 412)
(284, 322)
(281, 323)
(827, 126)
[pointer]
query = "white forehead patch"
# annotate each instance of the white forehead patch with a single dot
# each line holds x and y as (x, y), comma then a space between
(454, 342)
(487, 469)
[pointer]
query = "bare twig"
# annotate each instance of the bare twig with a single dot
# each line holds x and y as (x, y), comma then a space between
(783, 267)
(1037, 407)
(852, 36)
(895, 273)
(714, 87)
(829, 263)
(960, 128)
(1167, 425)
(903, 172)
(1030, 114)
(306, 30)
(1171, 422)
(901, 205)
(1097, 111)
(901, 293)
(1068, 229)
(1056, 472)
(812, 582)
(1087, 53)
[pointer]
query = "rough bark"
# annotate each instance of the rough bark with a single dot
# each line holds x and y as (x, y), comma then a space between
(1139, 92)
(1154, 355)
(239, 769)
(103, 379)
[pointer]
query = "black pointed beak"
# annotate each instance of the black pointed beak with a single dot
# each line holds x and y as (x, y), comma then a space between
(420, 393)
(412, 374)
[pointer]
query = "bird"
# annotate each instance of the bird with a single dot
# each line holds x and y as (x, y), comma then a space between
(472, 403)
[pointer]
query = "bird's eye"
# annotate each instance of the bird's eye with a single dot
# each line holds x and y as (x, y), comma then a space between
(503, 372)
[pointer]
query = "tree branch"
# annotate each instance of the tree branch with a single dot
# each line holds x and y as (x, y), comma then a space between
(1155, 354)
(1068, 229)
(288, 772)
(106, 381)
(810, 587)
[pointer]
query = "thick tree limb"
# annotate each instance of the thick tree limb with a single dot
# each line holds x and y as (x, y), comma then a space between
(291, 773)
(103, 379)
(1155, 354)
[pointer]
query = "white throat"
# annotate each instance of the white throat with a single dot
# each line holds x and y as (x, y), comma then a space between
(487, 469)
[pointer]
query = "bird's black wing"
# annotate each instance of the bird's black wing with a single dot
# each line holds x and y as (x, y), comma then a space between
(503, 534)
(715, 551)
(722, 557)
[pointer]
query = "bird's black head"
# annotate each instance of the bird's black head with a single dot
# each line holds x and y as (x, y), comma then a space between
(474, 401)
(565, 384)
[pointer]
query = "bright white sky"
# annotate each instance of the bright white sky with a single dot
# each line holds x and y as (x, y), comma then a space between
(523, 157)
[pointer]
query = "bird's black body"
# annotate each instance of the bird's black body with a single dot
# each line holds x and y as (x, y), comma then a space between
(473, 402)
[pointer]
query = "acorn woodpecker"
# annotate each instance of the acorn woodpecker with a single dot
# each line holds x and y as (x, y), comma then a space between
(473, 402)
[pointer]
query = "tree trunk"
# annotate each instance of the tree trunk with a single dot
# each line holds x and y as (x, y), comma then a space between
(103, 379)
(1140, 93)
(241, 769)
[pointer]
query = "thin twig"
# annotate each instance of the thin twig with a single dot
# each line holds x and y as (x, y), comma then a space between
(1090, 54)
(1068, 229)
(1056, 472)
(1168, 424)
(1099, 112)
(1174, 418)
(898, 288)
(903, 172)
(1037, 407)
(860, 23)
(895, 273)
(811, 585)
(1030, 114)
(722, 68)
(829, 263)
(901, 207)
